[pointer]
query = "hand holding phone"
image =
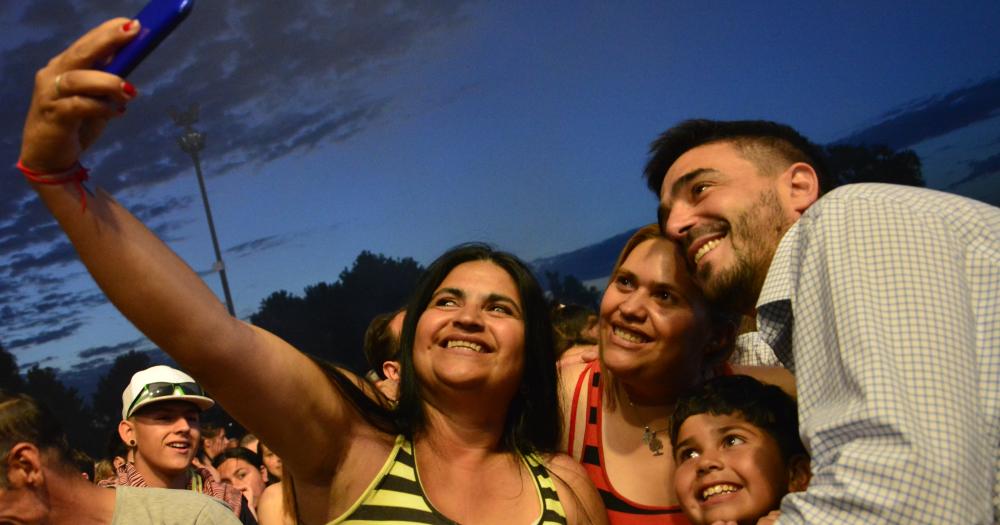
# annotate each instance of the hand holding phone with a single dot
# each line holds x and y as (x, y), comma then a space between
(156, 20)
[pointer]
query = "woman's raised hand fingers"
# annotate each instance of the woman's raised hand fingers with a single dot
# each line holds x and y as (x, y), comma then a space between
(97, 45)
(72, 102)
(92, 84)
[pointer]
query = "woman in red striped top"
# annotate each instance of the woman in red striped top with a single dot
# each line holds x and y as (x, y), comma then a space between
(658, 338)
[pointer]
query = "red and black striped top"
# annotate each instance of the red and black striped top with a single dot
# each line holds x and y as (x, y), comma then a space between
(621, 511)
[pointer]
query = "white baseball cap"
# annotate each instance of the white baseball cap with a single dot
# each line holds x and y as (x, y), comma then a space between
(161, 383)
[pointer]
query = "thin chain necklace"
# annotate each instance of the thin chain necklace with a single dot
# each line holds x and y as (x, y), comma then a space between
(654, 443)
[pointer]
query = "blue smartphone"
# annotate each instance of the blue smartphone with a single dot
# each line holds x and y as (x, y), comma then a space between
(157, 20)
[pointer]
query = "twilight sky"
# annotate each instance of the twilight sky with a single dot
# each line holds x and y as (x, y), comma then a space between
(407, 127)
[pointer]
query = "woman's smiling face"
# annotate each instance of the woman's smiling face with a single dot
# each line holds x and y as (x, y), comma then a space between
(654, 324)
(472, 332)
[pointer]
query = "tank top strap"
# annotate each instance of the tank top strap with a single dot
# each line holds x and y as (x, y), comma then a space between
(552, 509)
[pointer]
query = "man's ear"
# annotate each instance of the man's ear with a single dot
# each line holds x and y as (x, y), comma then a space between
(798, 473)
(126, 432)
(391, 370)
(24, 466)
(263, 473)
(803, 186)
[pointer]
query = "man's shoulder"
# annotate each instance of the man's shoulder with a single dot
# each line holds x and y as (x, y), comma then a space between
(912, 199)
(155, 506)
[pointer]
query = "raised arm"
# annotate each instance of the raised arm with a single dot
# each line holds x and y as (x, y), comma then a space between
(270, 387)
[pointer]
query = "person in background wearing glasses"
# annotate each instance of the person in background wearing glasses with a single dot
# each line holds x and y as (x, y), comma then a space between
(161, 426)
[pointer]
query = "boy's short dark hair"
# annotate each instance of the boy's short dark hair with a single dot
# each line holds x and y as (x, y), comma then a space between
(760, 141)
(245, 454)
(765, 406)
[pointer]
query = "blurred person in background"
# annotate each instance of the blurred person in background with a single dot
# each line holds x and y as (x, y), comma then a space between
(40, 485)
(243, 469)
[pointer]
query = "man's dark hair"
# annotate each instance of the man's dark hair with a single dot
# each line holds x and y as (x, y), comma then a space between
(381, 344)
(762, 142)
(245, 454)
(24, 420)
(766, 407)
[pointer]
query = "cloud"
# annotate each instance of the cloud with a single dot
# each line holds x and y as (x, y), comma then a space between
(271, 78)
(246, 63)
(257, 245)
(58, 254)
(46, 317)
(978, 169)
(106, 351)
(932, 117)
(39, 362)
(45, 336)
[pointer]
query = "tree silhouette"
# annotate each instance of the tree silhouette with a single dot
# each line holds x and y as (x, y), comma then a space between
(329, 321)
(10, 379)
(66, 404)
(107, 399)
(852, 164)
(569, 290)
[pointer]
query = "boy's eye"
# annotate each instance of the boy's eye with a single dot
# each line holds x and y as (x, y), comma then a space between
(624, 281)
(686, 454)
(731, 441)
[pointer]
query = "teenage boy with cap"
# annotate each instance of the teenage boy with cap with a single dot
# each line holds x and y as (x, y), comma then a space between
(161, 425)
(39, 483)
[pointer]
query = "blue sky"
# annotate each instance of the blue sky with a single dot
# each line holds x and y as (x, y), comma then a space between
(407, 127)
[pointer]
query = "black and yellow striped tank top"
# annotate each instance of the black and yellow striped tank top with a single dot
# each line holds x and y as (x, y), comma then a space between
(395, 495)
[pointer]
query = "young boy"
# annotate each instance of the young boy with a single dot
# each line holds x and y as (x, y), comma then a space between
(737, 449)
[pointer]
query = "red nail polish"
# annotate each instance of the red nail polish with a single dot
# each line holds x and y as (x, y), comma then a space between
(128, 88)
(127, 26)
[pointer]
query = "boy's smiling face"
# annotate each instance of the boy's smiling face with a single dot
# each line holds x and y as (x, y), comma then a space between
(727, 469)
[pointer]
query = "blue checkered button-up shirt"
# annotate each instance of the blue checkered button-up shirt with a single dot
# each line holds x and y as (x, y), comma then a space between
(885, 303)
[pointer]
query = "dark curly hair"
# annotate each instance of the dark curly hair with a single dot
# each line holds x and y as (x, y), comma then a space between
(766, 407)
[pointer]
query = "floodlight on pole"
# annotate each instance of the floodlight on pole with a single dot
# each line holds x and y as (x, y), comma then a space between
(192, 142)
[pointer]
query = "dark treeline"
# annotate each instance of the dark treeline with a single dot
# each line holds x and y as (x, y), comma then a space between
(329, 319)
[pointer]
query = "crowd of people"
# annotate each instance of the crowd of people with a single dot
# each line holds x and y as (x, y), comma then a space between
(876, 309)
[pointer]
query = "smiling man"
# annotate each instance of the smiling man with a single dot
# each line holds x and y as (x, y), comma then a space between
(883, 300)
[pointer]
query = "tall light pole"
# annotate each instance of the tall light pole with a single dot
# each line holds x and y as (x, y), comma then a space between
(193, 142)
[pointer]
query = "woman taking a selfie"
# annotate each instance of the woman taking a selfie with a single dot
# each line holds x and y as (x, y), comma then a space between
(477, 424)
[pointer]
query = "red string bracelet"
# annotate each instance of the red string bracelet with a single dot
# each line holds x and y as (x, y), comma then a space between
(74, 175)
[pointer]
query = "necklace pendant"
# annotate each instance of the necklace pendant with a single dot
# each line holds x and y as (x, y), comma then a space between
(654, 443)
(655, 446)
(648, 436)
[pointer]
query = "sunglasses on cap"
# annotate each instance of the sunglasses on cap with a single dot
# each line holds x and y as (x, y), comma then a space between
(155, 390)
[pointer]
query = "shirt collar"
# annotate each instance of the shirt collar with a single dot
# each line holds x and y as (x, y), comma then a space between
(782, 272)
